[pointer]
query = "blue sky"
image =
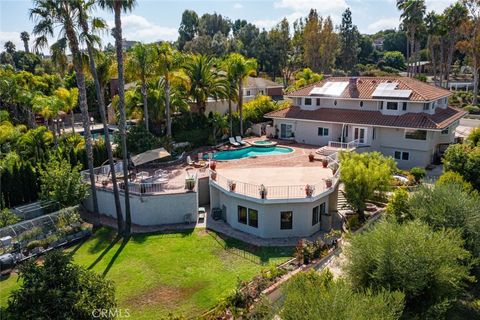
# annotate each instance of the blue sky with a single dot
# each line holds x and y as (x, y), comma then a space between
(153, 20)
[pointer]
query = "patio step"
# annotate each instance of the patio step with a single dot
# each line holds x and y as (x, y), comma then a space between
(342, 204)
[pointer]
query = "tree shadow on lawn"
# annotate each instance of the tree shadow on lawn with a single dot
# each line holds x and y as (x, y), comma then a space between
(115, 256)
(265, 255)
(141, 238)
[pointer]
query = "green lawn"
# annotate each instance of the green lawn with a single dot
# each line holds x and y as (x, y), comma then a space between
(185, 273)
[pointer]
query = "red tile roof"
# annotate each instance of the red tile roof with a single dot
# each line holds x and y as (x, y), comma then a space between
(440, 120)
(421, 91)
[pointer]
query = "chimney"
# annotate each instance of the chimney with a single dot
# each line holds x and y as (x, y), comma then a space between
(352, 87)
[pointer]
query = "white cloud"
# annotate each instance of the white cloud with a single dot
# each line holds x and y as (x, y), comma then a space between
(138, 28)
(382, 24)
(437, 5)
(238, 6)
(270, 23)
(324, 7)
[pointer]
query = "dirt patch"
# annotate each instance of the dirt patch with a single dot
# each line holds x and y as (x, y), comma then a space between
(170, 297)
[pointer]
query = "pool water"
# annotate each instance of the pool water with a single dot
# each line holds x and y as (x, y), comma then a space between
(263, 142)
(251, 152)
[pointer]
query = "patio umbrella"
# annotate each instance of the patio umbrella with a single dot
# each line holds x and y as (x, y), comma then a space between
(149, 156)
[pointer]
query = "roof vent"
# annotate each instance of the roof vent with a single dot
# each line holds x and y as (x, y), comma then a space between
(352, 87)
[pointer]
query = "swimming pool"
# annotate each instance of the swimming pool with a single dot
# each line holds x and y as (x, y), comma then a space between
(251, 152)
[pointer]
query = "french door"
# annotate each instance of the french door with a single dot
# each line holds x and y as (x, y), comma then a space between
(360, 134)
(285, 131)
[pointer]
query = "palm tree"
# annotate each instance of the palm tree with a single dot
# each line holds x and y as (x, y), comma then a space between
(241, 69)
(117, 6)
(25, 38)
(58, 55)
(50, 14)
(232, 90)
(432, 23)
(90, 39)
(69, 101)
(205, 81)
(139, 65)
(168, 65)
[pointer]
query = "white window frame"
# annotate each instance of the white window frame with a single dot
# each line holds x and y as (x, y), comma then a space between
(401, 155)
(323, 132)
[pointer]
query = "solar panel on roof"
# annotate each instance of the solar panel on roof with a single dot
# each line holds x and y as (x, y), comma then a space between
(388, 90)
(331, 88)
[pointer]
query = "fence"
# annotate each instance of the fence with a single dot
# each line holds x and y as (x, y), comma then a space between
(343, 145)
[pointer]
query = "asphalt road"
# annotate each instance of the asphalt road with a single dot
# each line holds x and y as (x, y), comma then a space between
(468, 122)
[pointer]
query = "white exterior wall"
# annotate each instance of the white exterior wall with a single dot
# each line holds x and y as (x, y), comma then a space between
(151, 209)
(269, 215)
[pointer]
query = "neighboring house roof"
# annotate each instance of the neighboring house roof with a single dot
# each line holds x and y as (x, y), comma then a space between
(421, 91)
(261, 83)
(440, 120)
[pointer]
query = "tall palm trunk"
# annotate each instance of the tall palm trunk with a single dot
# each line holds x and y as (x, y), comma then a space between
(108, 145)
(145, 101)
(167, 107)
(240, 104)
(475, 82)
(230, 119)
(121, 106)
(80, 76)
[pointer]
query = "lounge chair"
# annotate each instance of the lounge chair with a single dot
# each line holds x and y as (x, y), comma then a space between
(189, 161)
(200, 156)
(233, 142)
(239, 140)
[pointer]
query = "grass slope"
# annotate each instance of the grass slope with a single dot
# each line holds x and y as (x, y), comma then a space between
(183, 273)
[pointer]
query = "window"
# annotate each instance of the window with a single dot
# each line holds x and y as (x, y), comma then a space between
(392, 105)
(374, 133)
(381, 105)
(335, 102)
(318, 101)
(308, 101)
(404, 106)
(401, 155)
(416, 134)
(323, 132)
(315, 215)
(323, 207)
(426, 106)
(286, 220)
(242, 215)
(286, 131)
(253, 218)
(248, 93)
(445, 131)
(361, 104)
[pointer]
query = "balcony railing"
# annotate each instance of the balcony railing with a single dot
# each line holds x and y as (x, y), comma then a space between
(272, 192)
(344, 145)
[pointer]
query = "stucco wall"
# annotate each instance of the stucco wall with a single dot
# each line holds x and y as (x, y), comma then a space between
(150, 210)
(269, 215)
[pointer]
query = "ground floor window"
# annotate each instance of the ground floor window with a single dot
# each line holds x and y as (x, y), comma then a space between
(242, 215)
(286, 131)
(315, 215)
(253, 218)
(323, 132)
(402, 155)
(323, 208)
(286, 220)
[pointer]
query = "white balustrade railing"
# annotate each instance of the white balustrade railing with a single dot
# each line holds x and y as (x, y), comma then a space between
(271, 192)
(344, 145)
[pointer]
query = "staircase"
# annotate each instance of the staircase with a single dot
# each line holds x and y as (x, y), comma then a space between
(342, 205)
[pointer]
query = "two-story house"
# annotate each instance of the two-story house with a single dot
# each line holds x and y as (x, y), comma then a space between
(401, 117)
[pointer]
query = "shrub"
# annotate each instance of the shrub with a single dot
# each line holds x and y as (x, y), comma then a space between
(465, 160)
(398, 205)
(418, 173)
(450, 177)
(7, 217)
(312, 295)
(430, 267)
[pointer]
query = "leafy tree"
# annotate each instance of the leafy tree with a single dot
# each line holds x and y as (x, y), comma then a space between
(305, 77)
(473, 138)
(430, 267)
(449, 206)
(59, 289)
(317, 296)
(255, 109)
(366, 49)
(62, 182)
(7, 217)
(69, 101)
(210, 24)
(188, 28)
(394, 59)
(395, 41)
(398, 205)
(363, 174)
(9, 47)
(349, 42)
(465, 160)
(450, 177)
(280, 46)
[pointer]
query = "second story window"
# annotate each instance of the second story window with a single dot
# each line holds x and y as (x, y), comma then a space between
(445, 131)
(361, 104)
(308, 101)
(404, 106)
(426, 106)
(416, 134)
(335, 102)
(318, 101)
(392, 105)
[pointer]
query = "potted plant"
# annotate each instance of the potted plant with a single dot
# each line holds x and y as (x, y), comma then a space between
(104, 182)
(324, 162)
(213, 165)
(232, 185)
(263, 192)
(213, 175)
(309, 190)
(311, 157)
(189, 183)
(328, 182)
